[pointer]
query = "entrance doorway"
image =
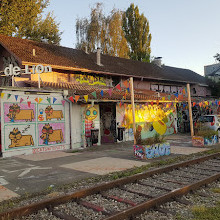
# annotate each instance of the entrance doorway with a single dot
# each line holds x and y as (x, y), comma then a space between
(108, 123)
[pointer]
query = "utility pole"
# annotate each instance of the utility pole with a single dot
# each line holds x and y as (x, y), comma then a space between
(190, 110)
(133, 108)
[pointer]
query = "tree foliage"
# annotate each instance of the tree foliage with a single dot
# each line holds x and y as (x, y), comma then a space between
(23, 18)
(136, 28)
(217, 57)
(101, 31)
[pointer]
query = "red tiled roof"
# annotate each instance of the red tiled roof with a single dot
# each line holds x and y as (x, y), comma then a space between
(68, 57)
(76, 89)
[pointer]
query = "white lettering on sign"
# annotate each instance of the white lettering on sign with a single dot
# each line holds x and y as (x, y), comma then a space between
(16, 70)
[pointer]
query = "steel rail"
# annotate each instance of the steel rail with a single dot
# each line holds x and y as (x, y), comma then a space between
(48, 203)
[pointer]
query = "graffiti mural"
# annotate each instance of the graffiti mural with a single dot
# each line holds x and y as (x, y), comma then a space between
(153, 119)
(50, 112)
(28, 124)
(90, 120)
(52, 133)
(157, 150)
(15, 112)
(151, 151)
(19, 140)
(19, 135)
(139, 152)
(90, 80)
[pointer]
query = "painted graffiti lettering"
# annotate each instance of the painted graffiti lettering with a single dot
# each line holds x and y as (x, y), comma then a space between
(151, 151)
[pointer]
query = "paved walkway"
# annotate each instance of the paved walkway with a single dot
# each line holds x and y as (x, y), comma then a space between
(33, 173)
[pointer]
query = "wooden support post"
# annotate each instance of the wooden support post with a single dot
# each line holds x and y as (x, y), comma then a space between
(39, 80)
(133, 108)
(12, 81)
(190, 110)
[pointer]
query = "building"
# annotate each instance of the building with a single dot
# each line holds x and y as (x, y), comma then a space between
(95, 88)
(213, 71)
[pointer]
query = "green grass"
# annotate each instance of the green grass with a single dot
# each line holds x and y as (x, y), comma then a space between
(206, 213)
(216, 190)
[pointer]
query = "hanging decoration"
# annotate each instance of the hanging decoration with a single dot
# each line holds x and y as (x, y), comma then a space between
(110, 92)
(169, 97)
(49, 100)
(40, 100)
(2, 95)
(102, 93)
(9, 95)
(118, 86)
(16, 97)
(126, 84)
(54, 100)
(77, 98)
(94, 94)
(29, 104)
(63, 102)
(86, 98)
(71, 99)
(21, 100)
(36, 100)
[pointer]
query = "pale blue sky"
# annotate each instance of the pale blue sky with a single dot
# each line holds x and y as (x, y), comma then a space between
(185, 33)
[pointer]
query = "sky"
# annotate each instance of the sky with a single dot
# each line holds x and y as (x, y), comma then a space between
(185, 33)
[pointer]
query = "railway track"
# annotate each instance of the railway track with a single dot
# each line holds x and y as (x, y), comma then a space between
(127, 197)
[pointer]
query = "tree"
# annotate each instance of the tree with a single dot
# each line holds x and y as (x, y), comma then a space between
(90, 32)
(23, 18)
(217, 57)
(118, 45)
(102, 31)
(136, 28)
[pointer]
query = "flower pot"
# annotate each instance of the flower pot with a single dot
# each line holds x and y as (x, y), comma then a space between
(151, 151)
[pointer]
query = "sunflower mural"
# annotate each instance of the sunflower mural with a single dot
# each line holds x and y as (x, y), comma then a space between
(153, 119)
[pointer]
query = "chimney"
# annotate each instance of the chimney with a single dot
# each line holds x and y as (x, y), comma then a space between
(98, 56)
(157, 61)
(34, 52)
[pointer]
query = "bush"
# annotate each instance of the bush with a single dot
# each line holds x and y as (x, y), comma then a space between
(206, 132)
(154, 140)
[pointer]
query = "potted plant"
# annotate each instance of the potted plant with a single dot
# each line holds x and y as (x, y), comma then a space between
(150, 147)
(204, 136)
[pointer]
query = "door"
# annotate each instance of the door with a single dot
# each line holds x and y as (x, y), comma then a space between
(108, 122)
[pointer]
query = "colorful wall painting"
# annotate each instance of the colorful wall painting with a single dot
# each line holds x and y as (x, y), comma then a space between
(32, 121)
(51, 133)
(157, 150)
(197, 141)
(211, 141)
(50, 112)
(90, 119)
(19, 112)
(121, 121)
(151, 151)
(139, 152)
(90, 80)
(157, 119)
(19, 135)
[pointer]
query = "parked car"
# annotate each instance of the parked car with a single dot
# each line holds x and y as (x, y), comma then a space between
(211, 121)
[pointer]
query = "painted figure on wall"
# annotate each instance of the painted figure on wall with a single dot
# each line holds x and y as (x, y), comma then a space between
(51, 114)
(51, 135)
(90, 114)
(19, 140)
(16, 113)
(153, 119)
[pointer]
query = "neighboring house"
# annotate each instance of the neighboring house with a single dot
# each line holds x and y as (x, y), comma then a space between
(96, 75)
(213, 71)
